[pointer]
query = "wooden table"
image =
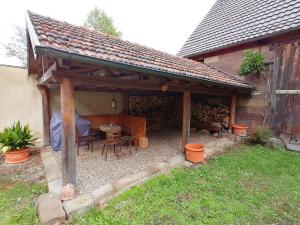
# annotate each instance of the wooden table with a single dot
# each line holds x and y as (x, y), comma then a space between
(107, 127)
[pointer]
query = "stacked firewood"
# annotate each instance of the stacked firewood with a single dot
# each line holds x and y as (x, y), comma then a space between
(206, 113)
(166, 112)
(160, 111)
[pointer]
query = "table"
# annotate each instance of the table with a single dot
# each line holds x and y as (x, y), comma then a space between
(107, 127)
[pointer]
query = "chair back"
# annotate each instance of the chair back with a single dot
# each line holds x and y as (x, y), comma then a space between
(112, 136)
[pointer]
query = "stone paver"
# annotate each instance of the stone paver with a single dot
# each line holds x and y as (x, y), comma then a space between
(50, 209)
(79, 205)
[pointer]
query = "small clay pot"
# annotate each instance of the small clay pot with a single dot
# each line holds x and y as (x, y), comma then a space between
(194, 152)
(16, 156)
(239, 130)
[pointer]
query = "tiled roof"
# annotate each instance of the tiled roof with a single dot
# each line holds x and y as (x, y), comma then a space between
(62, 36)
(232, 22)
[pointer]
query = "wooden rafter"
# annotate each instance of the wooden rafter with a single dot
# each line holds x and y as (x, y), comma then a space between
(47, 76)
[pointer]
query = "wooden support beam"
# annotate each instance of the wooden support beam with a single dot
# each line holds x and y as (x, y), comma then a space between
(154, 85)
(46, 114)
(47, 76)
(68, 132)
(125, 103)
(232, 112)
(186, 119)
(288, 92)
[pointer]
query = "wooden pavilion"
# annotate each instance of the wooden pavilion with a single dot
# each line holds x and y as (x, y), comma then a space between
(74, 58)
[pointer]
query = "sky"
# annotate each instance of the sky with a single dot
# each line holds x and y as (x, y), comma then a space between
(161, 24)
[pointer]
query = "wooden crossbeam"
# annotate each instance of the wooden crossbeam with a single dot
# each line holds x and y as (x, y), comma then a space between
(288, 92)
(152, 84)
(47, 76)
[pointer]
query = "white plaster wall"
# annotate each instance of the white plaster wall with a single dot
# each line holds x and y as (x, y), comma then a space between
(89, 103)
(20, 99)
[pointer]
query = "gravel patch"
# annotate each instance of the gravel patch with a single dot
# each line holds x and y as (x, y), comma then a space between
(5, 169)
(93, 171)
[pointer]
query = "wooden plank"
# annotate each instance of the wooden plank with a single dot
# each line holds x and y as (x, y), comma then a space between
(289, 92)
(46, 114)
(232, 112)
(47, 76)
(68, 132)
(186, 119)
(125, 103)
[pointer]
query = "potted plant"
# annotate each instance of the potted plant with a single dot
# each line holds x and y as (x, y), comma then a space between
(14, 142)
(253, 63)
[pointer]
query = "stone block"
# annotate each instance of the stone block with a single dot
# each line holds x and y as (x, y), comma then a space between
(50, 209)
(177, 160)
(160, 166)
(188, 164)
(103, 193)
(132, 179)
(79, 205)
(55, 186)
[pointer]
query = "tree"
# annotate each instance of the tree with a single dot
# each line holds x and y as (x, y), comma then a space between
(17, 47)
(98, 20)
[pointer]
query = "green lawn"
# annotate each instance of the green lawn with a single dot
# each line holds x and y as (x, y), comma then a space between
(248, 185)
(18, 203)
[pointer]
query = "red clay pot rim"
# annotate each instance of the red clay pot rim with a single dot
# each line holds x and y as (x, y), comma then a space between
(195, 147)
(17, 150)
(239, 126)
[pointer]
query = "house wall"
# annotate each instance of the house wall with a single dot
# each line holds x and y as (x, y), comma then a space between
(89, 103)
(249, 111)
(20, 99)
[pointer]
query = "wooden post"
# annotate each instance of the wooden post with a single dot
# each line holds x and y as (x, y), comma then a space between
(232, 112)
(46, 114)
(186, 119)
(68, 132)
(125, 103)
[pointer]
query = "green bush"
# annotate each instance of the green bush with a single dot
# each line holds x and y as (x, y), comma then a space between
(16, 137)
(260, 135)
(254, 62)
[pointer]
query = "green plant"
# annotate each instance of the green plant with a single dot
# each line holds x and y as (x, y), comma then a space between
(260, 135)
(254, 62)
(16, 137)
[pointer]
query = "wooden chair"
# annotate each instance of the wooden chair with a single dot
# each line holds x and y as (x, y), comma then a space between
(87, 140)
(112, 139)
(130, 138)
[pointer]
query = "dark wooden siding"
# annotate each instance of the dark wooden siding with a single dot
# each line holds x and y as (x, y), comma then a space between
(285, 120)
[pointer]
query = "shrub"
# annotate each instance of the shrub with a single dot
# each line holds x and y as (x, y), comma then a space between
(16, 137)
(254, 62)
(260, 135)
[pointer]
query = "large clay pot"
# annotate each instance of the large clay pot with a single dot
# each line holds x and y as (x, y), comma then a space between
(194, 152)
(239, 130)
(16, 156)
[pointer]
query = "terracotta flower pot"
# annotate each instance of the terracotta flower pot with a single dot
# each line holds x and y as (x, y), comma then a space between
(16, 156)
(194, 152)
(239, 130)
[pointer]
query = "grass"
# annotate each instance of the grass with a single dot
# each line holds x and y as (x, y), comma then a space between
(18, 203)
(248, 185)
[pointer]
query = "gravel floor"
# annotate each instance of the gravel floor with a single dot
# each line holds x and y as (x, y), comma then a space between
(93, 171)
(35, 160)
